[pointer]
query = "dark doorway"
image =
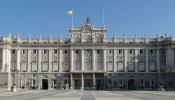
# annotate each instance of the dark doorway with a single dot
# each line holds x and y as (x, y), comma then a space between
(88, 84)
(99, 84)
(131, 84)
(77, 84)
(44, 84)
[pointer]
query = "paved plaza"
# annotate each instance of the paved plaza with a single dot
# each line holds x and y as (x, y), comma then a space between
(86, 95)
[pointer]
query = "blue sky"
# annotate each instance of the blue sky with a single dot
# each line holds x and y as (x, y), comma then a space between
(121, 16)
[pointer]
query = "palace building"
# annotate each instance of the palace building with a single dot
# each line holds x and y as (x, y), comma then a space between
(88, 60)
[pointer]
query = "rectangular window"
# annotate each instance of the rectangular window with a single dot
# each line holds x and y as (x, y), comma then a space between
(141, 51)
(45, 51)
(23, 51)
(13, 51)
(65, 51)
(98, 51)
(33, 82)
(34, 51)
(76, 51)
(55, 51)
(34, 75)
(151, 51)
(110, 51)
(130, 51)
(120, 51)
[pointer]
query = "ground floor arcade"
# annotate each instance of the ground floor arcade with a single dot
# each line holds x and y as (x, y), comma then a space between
(90, 81)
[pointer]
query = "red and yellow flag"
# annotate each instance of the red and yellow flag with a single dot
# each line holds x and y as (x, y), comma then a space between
(70, 12)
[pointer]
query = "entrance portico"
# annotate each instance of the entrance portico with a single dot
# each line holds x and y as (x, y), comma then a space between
(86, 81)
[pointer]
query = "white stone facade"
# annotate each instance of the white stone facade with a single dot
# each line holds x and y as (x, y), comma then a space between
(87, 60)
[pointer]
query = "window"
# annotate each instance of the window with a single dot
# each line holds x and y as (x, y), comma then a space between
(34, 51)
(152, 51)
(120, 51)
(34, 75)
(98, 51)
(130, 51)
(33, 82)
(55, 51)
(23, 52)
(110, 51)
(141, 67)
(130, 67)
(65, 51)
(141, 51)
(152, 67)
(76, 51)
(13, 51)
(45, 51)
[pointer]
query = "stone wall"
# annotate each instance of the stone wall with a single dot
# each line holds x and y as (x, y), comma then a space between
(3, 80)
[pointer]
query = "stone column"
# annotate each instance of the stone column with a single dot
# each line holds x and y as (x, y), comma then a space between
(104, 60)
(172, 61)
(125, 60)
(158, 60)
(114, 61)
(136, 60)
(7, 65)
(29, 60)
(93, 60)
(3, 60)
(50, 82)
(60, 60)
(146, 55)
(39, 81)
(6, 59)
(39, 60)
(71, 60)
(50, 61)
(82, 82)
(94, 81)
(18, 59)
(82, 60)
(18, 66)
(72, 83)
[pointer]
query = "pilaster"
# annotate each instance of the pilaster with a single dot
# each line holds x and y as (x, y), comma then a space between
(136, 60)
(94, 60)
(104, 60)
(72, 83)
(146, 55)
(158, 60)
(39, 60)
(125, 60)
(29, 61)
(18, 66)
(50, 60)
(60, 60)
(71, 60)
(94, 81)
(82, 60)
(172, 61)
(115, 60)
(82, 82)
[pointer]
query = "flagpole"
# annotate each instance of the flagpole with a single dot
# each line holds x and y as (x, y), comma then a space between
(103, 19)
(72, 20)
